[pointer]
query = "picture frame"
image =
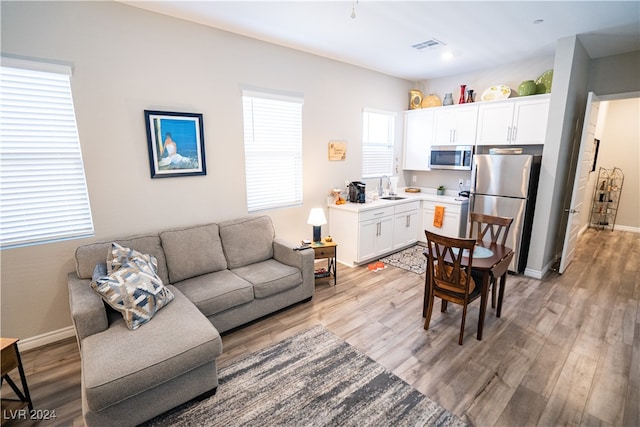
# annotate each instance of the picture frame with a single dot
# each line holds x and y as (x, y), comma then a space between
(176, 143)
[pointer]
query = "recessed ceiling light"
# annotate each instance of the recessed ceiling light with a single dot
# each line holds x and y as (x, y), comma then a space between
(538, 21)
(446, 56)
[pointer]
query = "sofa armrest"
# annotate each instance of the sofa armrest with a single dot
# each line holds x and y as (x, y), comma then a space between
(88, 312)
(283, 251)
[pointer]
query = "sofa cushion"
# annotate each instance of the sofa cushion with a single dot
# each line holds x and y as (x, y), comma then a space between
(247, 240)
(132, 286)
(269, 277)
(117, 366)
(193, 251)
(87, 256)
(216, 292)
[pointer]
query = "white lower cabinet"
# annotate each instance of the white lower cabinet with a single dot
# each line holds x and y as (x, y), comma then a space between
(375, 237)
(454, 221)
(406, 224)
(367, 235)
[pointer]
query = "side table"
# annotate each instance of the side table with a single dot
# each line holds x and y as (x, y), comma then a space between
(326, 250)
(11, 360)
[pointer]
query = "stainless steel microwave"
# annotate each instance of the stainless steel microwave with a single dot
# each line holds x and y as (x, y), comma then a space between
(456, 157)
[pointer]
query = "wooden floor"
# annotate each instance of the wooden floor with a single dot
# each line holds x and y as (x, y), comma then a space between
(565, 352)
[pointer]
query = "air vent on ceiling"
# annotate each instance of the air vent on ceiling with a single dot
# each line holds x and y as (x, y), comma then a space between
(428, 44)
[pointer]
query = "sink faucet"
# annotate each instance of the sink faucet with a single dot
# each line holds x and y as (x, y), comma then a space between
(380, 190)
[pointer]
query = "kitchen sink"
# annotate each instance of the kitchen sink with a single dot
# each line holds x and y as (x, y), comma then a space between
(393, 198)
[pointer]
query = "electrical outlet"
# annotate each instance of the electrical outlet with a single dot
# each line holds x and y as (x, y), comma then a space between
(414, 178)
(460, 181)
(469, 183)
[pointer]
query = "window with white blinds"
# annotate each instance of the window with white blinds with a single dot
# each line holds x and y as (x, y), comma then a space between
(377, 143)
(43, 192)
(273, 150)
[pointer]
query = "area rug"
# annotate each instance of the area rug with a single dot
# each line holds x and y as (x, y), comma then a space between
(311, 379)
(410, 259)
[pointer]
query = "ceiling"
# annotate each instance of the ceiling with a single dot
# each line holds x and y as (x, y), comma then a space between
(478, 34)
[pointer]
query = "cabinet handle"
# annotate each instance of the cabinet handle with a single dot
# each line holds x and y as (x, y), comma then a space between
(515, 132)
(378, 213)
(508, 133)
(454, 135)
(408, 222)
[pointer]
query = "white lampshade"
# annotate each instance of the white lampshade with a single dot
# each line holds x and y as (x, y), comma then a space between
(316, 217)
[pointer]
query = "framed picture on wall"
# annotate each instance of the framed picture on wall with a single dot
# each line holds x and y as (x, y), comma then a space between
(176, 144)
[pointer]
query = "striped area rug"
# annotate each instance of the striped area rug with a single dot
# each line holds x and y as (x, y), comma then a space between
(311, 379)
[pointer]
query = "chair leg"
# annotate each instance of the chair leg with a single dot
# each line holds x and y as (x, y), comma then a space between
(427, 319)
(503, 284)
(426, 296)
(464, 317)
(443, 306)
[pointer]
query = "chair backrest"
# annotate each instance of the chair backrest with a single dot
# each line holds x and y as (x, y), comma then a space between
(445, 263)
(497, 226)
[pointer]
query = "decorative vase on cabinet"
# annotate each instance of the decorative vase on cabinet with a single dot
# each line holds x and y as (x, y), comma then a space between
(448, 99)
(463, 89)
(526, 88)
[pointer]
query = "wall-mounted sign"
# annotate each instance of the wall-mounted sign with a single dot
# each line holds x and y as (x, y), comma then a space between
(337, 150)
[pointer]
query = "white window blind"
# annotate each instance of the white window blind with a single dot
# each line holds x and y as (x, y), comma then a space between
(43, 192)
(377, 143)
(273, 150)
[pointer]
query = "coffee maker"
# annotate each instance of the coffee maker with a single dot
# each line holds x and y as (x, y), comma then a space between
(357, 192)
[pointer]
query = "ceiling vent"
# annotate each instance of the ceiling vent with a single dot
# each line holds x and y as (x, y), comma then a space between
(428, 44)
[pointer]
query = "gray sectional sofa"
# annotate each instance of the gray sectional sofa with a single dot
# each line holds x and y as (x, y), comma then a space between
(221, 275)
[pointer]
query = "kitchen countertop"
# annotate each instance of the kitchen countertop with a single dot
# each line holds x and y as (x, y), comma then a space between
(425, 194)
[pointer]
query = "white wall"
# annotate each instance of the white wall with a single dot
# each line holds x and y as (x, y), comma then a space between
(566, 114)
(620, 147)
(126, 60)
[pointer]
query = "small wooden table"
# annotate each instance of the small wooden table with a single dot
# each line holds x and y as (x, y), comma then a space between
(10, 360)
(326, 250)
(495, 266)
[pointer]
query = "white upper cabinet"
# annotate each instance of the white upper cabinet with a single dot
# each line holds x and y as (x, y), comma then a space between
(521, 121)
(418, 135)
(455, 125)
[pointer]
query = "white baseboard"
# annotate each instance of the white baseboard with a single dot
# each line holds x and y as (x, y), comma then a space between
(44, 339)
(539, 274)
(626, 228)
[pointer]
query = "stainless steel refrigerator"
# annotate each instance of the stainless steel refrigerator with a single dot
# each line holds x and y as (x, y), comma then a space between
(505, 185)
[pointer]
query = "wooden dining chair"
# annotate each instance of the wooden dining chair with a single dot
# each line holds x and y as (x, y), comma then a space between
(496, 228)
(447, 278)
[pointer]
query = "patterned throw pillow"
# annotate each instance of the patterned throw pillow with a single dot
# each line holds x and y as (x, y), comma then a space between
(132, 285)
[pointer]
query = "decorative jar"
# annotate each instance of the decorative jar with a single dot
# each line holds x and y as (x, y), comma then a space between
(527, 87)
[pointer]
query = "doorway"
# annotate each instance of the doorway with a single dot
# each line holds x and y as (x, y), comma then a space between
(618, 129)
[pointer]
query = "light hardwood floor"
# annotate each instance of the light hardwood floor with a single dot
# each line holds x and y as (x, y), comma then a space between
(565, 352)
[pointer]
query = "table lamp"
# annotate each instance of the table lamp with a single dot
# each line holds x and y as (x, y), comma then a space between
(317, 219)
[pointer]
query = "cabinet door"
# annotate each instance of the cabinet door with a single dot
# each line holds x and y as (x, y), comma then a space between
(530, 122)
(367, 237)
(494, 123)
(418, 134)
(443, 125)
(384, 242)
(466, 125)
(405, 229)
(450, 222)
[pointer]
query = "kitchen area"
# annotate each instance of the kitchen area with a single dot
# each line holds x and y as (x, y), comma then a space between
(485, 157)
